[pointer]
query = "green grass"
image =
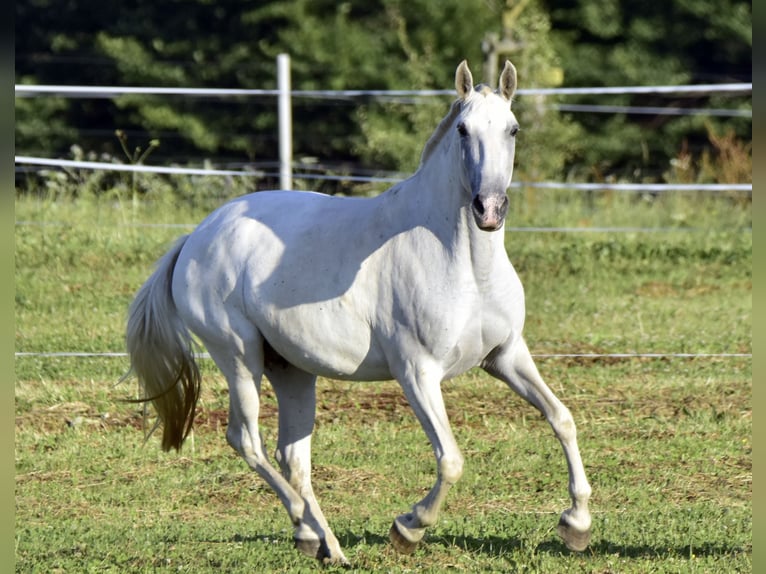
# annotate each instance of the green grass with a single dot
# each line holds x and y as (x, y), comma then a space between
(666, 442)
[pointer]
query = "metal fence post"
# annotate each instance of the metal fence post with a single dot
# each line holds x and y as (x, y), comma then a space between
(285, 122)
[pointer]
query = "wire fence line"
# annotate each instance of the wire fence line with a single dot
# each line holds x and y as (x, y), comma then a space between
(654, 110)
(550, 185)
(283, 92)
(111, 92)
(24, 90)
(415, 96)
(171, 170)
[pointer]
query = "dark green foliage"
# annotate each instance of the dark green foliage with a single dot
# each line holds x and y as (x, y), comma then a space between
(632, 42)
(379, 44)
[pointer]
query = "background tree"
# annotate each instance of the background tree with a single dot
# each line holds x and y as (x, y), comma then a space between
(632, 42)
(375, 44)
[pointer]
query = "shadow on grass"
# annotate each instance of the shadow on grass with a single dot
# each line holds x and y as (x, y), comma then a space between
(502, 546)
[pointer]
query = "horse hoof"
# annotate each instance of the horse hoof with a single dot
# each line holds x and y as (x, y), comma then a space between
(575, 540)
(311, 548)
(321, 551)
(399, 542)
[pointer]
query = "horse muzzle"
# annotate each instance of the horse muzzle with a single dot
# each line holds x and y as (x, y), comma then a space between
(489, 210)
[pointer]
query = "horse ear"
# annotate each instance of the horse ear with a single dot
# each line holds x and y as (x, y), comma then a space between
(463, 80)
(507, 85)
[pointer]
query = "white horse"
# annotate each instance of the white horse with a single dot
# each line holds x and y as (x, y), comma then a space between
(414, 284)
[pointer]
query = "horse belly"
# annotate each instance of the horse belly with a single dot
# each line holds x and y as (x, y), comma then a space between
(319, 339)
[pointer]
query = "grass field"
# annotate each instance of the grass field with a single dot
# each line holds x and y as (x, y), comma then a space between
(666, 441)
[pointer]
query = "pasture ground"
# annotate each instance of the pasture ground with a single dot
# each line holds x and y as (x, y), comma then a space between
(666, 441)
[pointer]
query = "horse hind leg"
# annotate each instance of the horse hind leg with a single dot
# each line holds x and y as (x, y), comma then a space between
(296, 394)
(243, 372)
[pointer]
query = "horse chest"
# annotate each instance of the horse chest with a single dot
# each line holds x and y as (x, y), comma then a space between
(461, 328)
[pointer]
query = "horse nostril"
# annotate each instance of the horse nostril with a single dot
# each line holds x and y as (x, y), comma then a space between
(478, 205)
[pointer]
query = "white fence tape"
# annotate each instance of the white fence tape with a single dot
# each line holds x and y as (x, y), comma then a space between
(654, 111)
(646, 187)
(23, 90)
(115, 91)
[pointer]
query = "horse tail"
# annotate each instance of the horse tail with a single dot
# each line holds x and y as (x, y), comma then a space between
(161, 351)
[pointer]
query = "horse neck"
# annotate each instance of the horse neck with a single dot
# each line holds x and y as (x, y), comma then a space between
(442, 205)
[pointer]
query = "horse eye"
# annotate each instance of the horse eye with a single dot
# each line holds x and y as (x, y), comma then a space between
(462, 130)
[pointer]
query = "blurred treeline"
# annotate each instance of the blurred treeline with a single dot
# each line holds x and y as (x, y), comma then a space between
(388, 44)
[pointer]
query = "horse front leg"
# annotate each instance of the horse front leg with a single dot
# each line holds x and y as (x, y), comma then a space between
(514, 365)
(422, 387)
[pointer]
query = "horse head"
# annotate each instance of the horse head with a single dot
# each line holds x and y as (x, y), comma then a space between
(487, 131)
